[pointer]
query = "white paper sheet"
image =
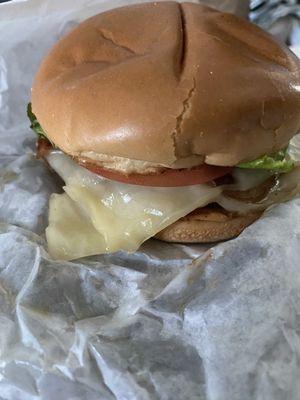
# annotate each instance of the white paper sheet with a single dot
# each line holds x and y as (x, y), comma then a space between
(148, 325)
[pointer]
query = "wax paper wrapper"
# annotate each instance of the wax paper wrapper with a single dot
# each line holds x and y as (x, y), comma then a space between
(167, 322)
(281, 18)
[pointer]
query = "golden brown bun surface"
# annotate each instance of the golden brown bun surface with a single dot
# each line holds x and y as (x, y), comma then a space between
(164, 81)
(207, 225)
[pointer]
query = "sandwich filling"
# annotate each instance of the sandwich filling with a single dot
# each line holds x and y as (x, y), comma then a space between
(98, 215)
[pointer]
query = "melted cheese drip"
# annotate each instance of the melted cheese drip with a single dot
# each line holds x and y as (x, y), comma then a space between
(97, 215)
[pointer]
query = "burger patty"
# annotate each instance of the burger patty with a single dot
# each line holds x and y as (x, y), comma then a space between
(255, 194)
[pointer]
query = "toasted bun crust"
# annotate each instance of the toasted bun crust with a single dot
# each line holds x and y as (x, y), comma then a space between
(163, 81)
(206, 226)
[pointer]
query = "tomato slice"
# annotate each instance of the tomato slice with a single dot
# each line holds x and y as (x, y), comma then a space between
(166, 178)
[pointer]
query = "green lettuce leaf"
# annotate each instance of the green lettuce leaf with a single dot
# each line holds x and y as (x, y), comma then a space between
(277, 162)
(35, 125)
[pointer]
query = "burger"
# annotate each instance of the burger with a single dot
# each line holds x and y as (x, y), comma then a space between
(164, 120)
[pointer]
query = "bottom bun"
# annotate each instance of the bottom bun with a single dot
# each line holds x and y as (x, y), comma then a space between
(206, 225)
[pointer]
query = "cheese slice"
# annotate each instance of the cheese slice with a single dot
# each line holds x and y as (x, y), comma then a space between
(96, 215)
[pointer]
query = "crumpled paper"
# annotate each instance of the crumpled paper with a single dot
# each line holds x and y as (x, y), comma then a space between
(167, 322)
(281, 18)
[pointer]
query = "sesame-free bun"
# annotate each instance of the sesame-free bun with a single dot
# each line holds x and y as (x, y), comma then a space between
(164, 81)
(207, 225)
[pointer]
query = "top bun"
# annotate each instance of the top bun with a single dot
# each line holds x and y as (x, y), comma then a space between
(163, 81)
